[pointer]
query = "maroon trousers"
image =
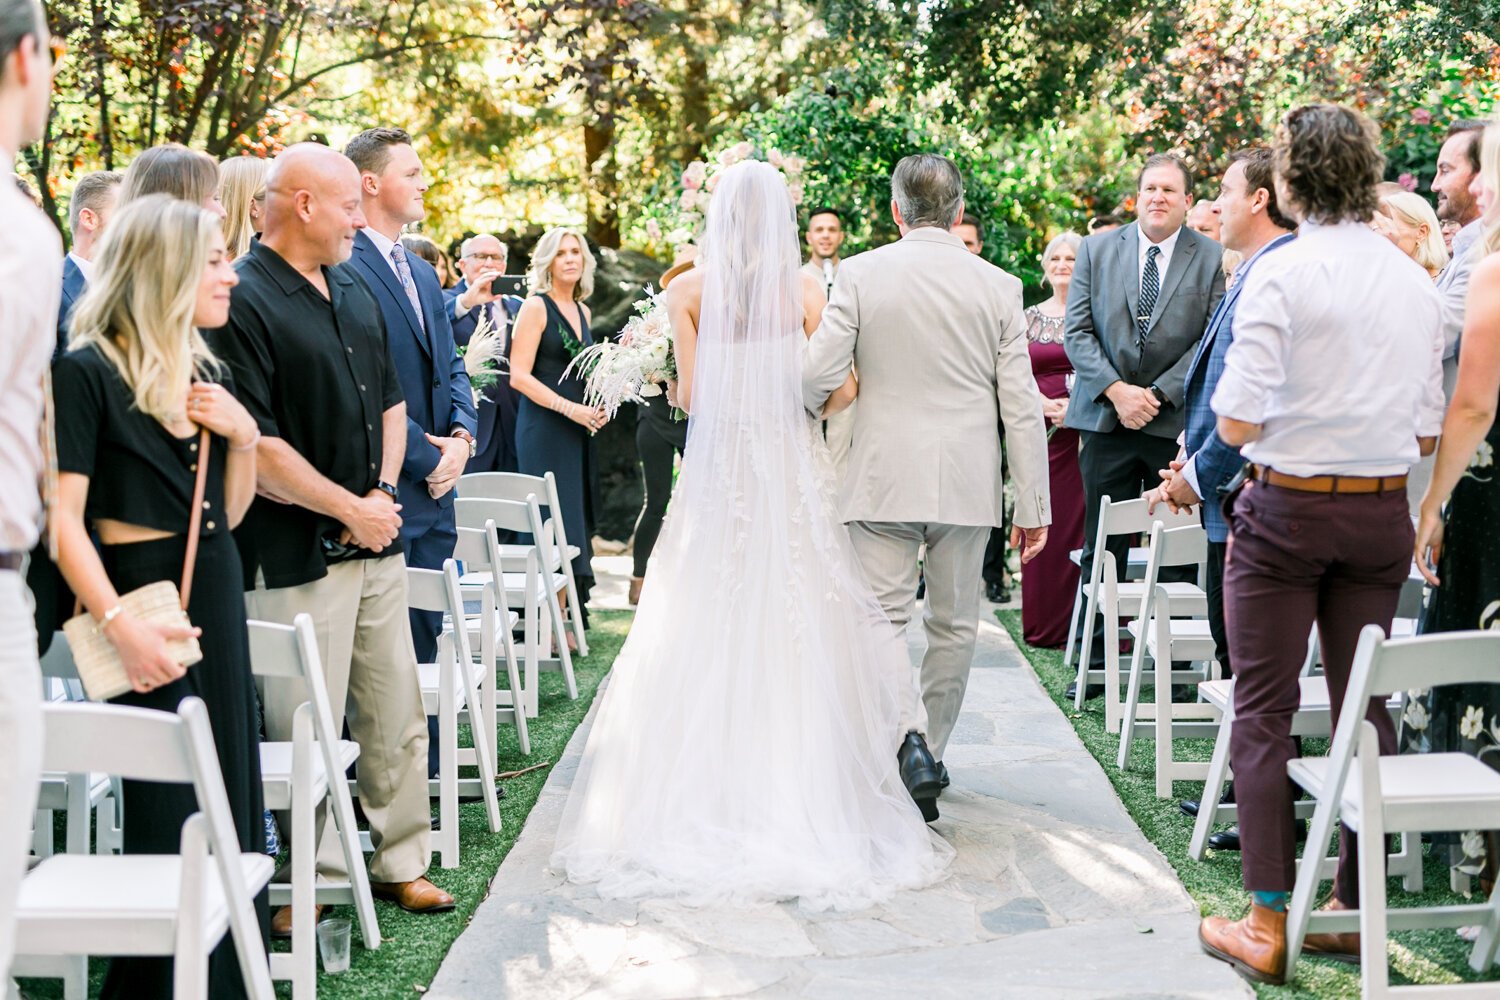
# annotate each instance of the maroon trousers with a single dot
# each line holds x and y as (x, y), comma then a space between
(1295, 559)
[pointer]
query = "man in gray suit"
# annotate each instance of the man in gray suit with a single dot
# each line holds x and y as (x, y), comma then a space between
(939, 339)
(1141, 298)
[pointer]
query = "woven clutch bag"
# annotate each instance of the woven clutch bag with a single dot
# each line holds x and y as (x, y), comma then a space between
(99, 665)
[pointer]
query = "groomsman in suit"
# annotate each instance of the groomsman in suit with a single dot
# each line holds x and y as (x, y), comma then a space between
(483, 258)
(1140, 301)
(88, 212)
(825, 237)
(1251, 224)
(440, 417)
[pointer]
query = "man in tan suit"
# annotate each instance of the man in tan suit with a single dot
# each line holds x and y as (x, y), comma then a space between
(939, 340)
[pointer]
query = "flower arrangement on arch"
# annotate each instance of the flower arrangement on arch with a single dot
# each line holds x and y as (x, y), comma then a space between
(680, 222)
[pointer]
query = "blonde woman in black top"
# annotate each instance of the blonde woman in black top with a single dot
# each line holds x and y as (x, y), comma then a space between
(135, 387)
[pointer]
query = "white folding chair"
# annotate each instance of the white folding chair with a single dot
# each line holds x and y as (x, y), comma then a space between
(449, 686)
(560, 554)
(300, 776)
(1170, 629)
(494, 623)
(1103, 594)
(178, 905)
(1135, 568)
(1407, 794)
(528, 586)
(81, 797)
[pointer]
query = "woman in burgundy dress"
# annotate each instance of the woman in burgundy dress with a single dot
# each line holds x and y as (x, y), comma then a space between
(1050, 581)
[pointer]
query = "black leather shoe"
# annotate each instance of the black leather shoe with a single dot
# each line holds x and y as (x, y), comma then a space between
(1189, 806)
(997, 593)
(1094, 691)
(943, 772)
(929, 810)
(1229, 840)
(919, 772)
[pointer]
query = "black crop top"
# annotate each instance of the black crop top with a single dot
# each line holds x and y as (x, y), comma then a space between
(138, 472)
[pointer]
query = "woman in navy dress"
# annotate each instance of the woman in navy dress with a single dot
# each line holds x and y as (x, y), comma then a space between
(554, 429)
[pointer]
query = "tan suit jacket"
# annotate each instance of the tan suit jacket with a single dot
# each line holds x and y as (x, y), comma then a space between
(939, 339)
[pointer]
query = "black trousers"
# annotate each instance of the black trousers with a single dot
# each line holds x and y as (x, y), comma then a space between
(1217, 552)
(994, 569)
(656, 453)
(1120, 464)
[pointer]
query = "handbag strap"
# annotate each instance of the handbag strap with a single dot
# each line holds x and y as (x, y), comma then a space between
(195, 519)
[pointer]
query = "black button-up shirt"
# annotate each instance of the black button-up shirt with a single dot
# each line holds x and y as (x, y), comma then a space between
(317, 373)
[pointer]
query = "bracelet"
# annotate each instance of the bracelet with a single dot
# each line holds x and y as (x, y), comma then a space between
(110, 616)
(247, 447)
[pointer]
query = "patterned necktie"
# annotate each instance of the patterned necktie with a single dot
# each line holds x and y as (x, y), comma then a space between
(1150, 288)
(403, 271)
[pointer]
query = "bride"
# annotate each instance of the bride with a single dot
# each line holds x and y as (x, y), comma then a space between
(744, 749)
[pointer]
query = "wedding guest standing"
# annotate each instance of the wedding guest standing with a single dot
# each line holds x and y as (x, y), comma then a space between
(308, 351)
(1252, 225)
(825, 237)
(89, 210)
(134, 389)
(1458, 549)
(482, 259)
(1453, 184)
(439, 403)
(1321, 529)
(30, 263)
(1203, 218)
(1408, 221)
(553, 426)
(1051, 580)
(242, 192)
(1140, 300)
(175, 170)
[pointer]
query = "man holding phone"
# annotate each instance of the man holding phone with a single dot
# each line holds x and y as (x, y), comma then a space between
(479, 296)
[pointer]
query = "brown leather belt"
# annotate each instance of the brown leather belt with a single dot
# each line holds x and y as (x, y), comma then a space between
(1328, 484)
(11, 561)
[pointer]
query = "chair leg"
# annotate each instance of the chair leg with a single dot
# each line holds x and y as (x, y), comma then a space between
(517, 698)
(1072, 645)
(1213, 790)
(446, 838)
(341, 812)
(559, 635)
(1374, 975)
(304, 890)
(483, 733)
(80, 814)
(76, 977)
(1309, 873)
(530, 630)
(1086, 647)
(1483, 955)
(1132, 704)
(575, 609)
(43, 842)
(1112, 704)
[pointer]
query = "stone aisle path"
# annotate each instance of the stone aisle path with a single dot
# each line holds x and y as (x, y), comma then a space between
(1054, 894)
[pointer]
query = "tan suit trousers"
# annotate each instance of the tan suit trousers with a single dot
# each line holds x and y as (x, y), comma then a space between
(888, 552)
(364, 638)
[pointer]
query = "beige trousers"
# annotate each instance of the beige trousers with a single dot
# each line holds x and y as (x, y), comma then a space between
(364, 638)
(888, 553)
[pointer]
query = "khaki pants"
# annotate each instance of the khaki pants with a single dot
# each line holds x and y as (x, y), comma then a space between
(20, 751)
(888, 554)
(364, 638)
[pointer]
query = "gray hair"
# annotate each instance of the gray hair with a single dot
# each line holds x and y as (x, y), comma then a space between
(468, 244)
(928, 190)
(19, 18)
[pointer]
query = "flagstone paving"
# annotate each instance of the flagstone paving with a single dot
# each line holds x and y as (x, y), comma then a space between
(1054, 893)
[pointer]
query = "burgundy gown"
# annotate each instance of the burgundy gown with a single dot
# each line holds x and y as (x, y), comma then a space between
(1050, 581)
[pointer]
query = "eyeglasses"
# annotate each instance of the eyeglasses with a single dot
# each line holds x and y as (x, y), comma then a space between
(488, 258)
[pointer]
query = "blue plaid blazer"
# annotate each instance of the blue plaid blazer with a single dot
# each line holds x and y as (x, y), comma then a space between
(1214, 461)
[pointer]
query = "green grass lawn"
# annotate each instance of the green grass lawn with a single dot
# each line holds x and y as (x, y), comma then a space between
(1436, 956)
(414, 945)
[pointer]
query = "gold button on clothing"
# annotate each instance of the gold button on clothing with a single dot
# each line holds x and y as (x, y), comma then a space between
(193, 467)
(205, 505)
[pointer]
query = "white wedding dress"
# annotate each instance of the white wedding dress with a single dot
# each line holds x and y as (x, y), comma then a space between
(744, 749)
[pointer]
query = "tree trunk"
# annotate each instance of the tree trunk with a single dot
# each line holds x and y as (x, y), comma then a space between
(601, 182)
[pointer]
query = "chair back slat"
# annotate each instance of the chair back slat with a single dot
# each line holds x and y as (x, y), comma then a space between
(1184, 546)
(508, 515)
(136, 743)
(425, 589)
(1433, 660)
(1129, 517)
(273, 650)
(471, 550)
(513, 486)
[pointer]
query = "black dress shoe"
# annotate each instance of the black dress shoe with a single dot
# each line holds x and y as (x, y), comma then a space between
(929, 810)
(943, 771)
(1093, 691)
(1229, 840)
(919, 772)
(997, 593)
(1189, 806)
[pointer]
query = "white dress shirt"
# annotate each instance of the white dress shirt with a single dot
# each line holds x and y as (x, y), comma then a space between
(1337, 354)
(30, 262)
(85, 267)
(1166, 246)
(384, 244)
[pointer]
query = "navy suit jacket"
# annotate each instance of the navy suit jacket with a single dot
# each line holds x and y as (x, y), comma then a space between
(432, 376)
(72, 287)
(1214, 461)
(500, 402)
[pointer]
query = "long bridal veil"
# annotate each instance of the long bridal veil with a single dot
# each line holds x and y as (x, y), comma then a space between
(744, 749)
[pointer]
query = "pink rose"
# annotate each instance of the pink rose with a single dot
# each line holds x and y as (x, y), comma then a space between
(1407, 181)
(1421, 116)
(775, 159)
(688, 201)
(742, 150)
(694, 175)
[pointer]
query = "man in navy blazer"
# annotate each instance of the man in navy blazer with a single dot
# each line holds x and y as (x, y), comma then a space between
(439, 403)
(89, 210)
(482, 258)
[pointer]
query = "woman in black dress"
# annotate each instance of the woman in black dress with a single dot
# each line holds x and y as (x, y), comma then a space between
(1458, 548)
(135, 387)
(554, 429)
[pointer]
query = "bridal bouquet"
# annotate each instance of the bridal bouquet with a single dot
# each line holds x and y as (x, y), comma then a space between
(635, 366)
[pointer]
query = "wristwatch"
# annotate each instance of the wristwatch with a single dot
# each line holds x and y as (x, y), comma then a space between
(1161, 397)
(464, 435)
(388, 490)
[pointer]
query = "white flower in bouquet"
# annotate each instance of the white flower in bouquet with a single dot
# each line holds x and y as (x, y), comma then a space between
(484, 356)
(632, 368)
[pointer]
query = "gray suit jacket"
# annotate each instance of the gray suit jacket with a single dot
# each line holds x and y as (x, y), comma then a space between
(939, 340)
(1100, 332)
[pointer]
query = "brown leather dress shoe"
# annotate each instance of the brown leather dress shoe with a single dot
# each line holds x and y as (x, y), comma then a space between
(1339, 947)
(1255, 946)
(416, 896)
(281, 920)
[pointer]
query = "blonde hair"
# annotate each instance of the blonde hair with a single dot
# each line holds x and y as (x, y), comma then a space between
(1413, 210)
(546, 252)
(242, 181)
(138, 308)
(172, 169)
(1489, 173)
